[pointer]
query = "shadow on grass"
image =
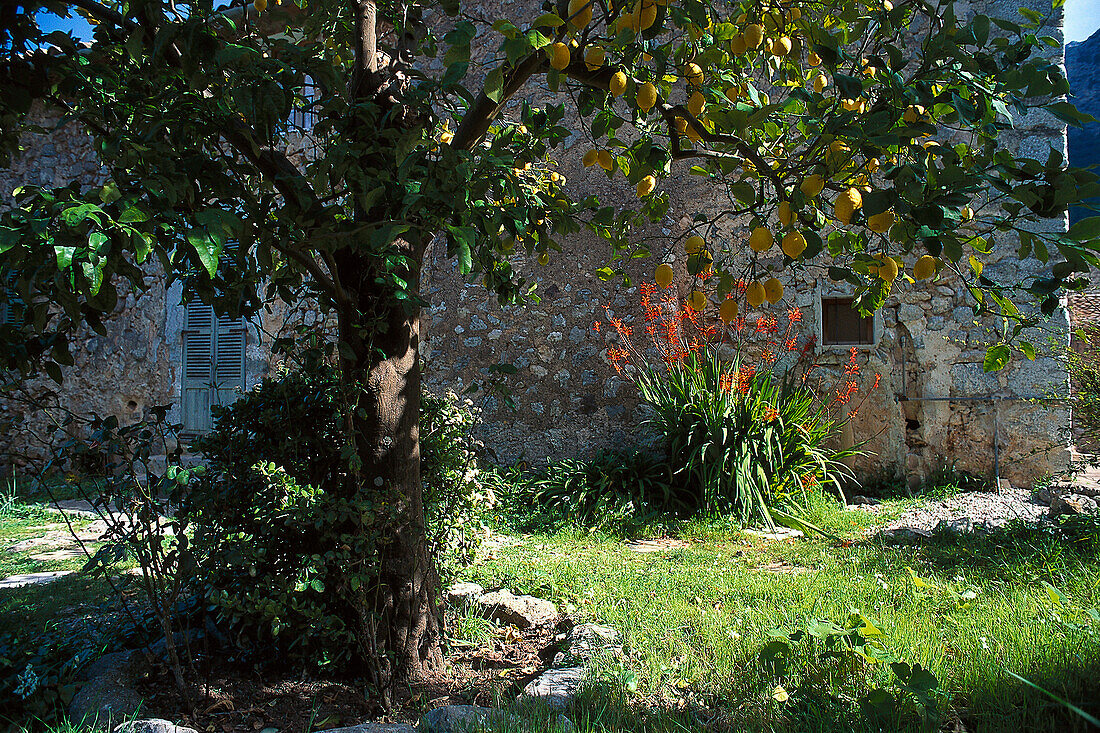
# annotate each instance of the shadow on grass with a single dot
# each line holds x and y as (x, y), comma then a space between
(1016, 548)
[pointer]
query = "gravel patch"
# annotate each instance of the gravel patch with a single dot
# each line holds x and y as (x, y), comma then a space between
(967, 512)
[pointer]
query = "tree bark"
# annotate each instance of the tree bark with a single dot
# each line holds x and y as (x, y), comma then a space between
(400, 627)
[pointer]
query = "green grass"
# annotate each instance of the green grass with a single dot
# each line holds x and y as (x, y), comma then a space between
(697, 617)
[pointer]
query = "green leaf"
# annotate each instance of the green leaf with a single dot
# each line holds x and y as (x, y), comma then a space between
(494, 85)
(996, 357)
(206, 248)
(547, 20)
(1085, 230)
(64, 256)
(1069, 114)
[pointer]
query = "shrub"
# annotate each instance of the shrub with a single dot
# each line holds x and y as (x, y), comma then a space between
(743, 437)
(611, 485)
(277, 534)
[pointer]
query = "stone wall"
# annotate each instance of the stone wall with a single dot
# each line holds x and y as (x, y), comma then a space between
(934, 406)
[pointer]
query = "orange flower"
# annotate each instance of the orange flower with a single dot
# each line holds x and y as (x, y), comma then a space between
(794, 315)
(770, 413)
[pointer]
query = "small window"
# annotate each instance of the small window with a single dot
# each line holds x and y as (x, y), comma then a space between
(842, 325)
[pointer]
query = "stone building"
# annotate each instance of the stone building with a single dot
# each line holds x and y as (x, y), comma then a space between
(935, 405)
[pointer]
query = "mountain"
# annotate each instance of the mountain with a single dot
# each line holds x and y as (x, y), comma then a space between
(1083, 70)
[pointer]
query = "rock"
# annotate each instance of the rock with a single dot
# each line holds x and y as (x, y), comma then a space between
(556, 688)
(465, 719)
(520, 611)
(585, 643)
(153, 725)
(460, 594)
(375, 728)
(780, 533)
(1070, 504)
(107, 695)
(19, 581)
(860, 500)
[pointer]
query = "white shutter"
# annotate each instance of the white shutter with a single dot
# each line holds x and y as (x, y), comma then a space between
(198, 368)
(229, 360)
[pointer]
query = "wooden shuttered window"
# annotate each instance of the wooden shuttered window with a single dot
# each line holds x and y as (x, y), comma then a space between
(213, 365)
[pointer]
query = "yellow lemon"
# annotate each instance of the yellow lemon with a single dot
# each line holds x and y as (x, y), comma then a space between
(728, 310)
(794, 244)
(647, 16)
(590, 158)
(738, 45)
(761, 240)
(887, 5)
(872, 165)
(646, 186)
(888, 268)
(605, 160)
(559, 55)
(544, 258)
(838, 155)
(847, 204)
(820, 82)
(695, 104)
(663, 274)
(508, 244)
(812, 185)
(693, 74)
(781, 46)
(733, 93)
(793, 15)
(694, 245)
(580, 12)
(647, 96)
(594, 56)
(773, 290)
(698, 300)
(260, 5)
(753, 35)
(617, 85)
(754, 294)
(881, 222)
(813, 59)
(913, 113)
(785, 214)
(925, 267)
(446, 138)
(966, 213)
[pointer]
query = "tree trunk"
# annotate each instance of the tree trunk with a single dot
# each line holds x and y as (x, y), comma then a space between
(400, 628)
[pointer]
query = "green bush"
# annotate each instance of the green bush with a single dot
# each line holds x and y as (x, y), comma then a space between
(278, 538)
(611, 486)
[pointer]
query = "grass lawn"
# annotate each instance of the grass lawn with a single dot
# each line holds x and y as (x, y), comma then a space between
(697, 613)
(697, 617)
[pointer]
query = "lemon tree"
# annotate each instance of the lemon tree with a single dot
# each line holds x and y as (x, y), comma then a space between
(315, 148)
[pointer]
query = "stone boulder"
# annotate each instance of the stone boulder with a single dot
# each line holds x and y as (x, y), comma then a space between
(375, 728)
(107, 695)
(466, 719)
(461, 594)
(1070, 504)
(523, 612)
(153, 725)
(585, 643)
(554, 688)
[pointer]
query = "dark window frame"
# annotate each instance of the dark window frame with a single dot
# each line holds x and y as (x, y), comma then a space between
(842, 325)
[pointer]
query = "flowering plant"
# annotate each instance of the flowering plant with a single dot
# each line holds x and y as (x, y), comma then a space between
(742, 407)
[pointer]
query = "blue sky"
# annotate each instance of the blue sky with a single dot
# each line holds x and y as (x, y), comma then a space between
(1082, 19)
